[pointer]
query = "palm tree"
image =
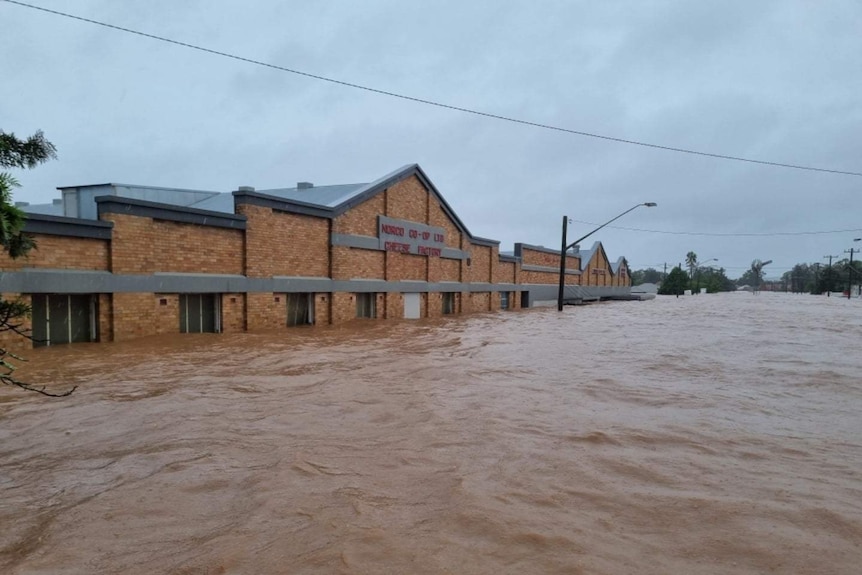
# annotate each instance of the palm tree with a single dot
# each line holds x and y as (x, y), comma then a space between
(691, 262)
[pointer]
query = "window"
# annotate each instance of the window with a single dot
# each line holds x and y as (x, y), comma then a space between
(200, 313)
(448, 303)
(366, 305)
(63, 318)
(300, 309)
(504, 300)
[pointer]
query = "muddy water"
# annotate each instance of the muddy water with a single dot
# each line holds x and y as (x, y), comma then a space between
(700, 435)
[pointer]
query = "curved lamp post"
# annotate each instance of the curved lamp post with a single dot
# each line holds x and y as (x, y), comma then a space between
(565, 247)
(699, 267)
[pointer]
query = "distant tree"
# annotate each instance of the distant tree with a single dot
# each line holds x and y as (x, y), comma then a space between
(647, 276)
(16, 153)
(691, 263)
(756, 274)
(829, 279)
(715, 280)
(675, 283)
(801, 278)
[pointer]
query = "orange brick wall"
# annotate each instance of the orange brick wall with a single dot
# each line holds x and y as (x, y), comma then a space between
(349, 263)
(505, 273)
(394, 306)
(437, 217)
(537, 258)
(408, 200)
(143, 246)
(233, 312)
(263, 312)
(479, 302)
(480, 264)
(597, 262)
(344, 307)
(13, 342)
(134, 314)
(406, 266)
(322, 302)
(283, 244)
(362, 219)
(530, 277)
(444, 269)
(106, 317)
(61, 252)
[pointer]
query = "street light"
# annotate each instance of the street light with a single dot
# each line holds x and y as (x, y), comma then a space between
(565, 247)
(698, 267)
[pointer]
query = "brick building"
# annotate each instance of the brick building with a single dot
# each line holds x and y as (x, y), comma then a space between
(116, 262)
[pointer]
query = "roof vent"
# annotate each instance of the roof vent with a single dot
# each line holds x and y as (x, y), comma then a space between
(304, 185)
(21, 204)
(246, 188)
(57, 201)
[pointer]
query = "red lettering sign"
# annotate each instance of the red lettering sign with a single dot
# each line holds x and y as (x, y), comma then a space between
(397, 247)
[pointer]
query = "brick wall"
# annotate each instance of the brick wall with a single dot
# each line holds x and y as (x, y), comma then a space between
(599, 262)
(546, 259)
(479, 269)
(444, 269)
(394, 303)
(61, 252)
(233, 312)
(406, 266)
(134, 314)
(479, 302)
(263, 312)
(284, 244)
(13, 342)
(105, 309)
(437, 217)
(349, 263)
(322, 302)
(362, 219)
(505, 273)
(143, 246)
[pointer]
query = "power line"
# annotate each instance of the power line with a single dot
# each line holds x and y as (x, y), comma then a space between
(434, 103)
(726, 235)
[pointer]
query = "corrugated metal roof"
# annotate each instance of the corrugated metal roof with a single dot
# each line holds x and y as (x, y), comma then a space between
(45, 209)
(328, 196)
(217, 203)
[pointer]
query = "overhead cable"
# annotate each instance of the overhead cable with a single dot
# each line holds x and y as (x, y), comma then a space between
(438, 104)
(725, 235)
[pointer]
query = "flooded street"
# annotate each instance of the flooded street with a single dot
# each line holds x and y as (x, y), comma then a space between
(717, 434)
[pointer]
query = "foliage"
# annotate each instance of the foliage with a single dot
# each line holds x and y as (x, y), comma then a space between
(15, 153)
(675, 283)
(756, 274)
(714, 280)
(29, 153)
(691, 263)
(15, 243)
(647, 276)
(803, 278)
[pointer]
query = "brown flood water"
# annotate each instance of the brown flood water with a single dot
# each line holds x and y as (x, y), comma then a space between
(701, 435)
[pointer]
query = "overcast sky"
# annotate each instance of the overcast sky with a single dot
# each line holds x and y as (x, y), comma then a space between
(778, 81)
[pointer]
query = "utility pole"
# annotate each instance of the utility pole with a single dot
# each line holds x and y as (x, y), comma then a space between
(829, 291)
(850, 270)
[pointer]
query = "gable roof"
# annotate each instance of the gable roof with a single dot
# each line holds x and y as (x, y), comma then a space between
(615, 266)
(332, 201)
